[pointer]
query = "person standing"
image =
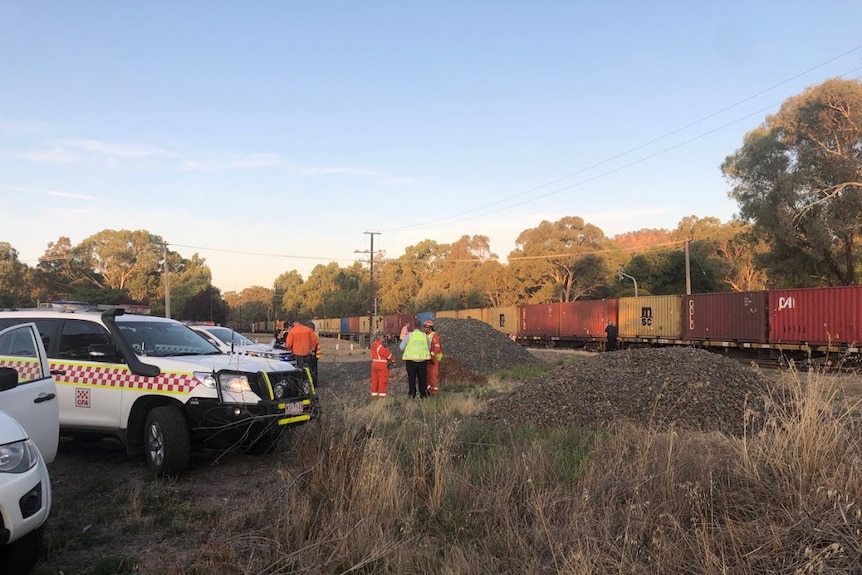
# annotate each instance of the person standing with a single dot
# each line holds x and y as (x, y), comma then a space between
(416, 356)
(298, 342)
(433, 370)
(315, 353)
(381, 359)
(612, 332)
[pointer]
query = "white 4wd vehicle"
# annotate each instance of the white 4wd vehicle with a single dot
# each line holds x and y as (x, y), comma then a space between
(161, 388)
(29, 426)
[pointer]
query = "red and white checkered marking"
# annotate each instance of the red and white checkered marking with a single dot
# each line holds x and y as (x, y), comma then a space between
(113, 377)
(28, 369)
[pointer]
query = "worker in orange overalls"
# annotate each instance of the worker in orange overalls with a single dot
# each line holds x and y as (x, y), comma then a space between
(433, 369)
(314, 355)
(381, 359)
(298, 342)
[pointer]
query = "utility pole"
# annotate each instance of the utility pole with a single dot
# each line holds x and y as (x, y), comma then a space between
(372, 307)
(167, 282)
(687, 269)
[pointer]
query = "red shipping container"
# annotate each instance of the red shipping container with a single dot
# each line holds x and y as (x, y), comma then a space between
(726, 316)
(540, 320)
(353, 325)
(586, 319)
(816, 316)
(393, 323)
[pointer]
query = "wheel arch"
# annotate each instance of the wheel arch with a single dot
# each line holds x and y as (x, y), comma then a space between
(138, 418)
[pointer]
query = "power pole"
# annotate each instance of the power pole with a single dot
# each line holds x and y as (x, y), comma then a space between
(687, 269)
(167, 282)
(372, 308)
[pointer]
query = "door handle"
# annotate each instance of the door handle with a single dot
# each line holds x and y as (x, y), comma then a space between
(58, 372)
(44, 398)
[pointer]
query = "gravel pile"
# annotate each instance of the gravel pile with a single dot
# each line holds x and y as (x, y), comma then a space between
(685, 388)
(478, 347)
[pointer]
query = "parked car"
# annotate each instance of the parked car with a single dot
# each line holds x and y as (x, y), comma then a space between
(161, 388)
(230, 341)
(29, 433)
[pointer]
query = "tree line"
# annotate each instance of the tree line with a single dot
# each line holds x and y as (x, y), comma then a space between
(797, 179)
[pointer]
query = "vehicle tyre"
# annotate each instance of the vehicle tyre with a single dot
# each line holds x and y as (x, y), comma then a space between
(167, 442)
(21, 556)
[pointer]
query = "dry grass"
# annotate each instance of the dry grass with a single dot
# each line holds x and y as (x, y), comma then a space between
(400, 487)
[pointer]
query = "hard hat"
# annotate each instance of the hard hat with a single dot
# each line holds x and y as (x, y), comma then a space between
(428, 323)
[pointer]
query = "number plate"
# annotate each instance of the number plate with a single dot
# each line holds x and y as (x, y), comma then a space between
(294, 408)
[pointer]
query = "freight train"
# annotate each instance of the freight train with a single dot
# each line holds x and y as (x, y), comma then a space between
(806, 322)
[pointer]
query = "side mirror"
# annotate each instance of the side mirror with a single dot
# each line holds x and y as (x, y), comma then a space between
(8, 378)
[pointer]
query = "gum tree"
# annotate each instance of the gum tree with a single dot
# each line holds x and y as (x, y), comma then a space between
(798, 178)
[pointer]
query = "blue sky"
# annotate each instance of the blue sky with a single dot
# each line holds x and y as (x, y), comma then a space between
(270, 136)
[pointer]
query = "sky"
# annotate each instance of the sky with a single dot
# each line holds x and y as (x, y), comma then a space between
(271, 136)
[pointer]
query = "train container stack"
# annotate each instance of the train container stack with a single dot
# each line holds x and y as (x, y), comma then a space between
(726, 319)
(504, 319)
(540, 321)
(817, 317)
(650, 319)
(585, 320)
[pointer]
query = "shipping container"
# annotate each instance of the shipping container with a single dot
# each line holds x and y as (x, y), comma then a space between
(423, 316)
(345, 326)
(585, 320)
(539, 321)
(364, 325)
(447, 313)
(352, 325)
(726, 316)
(504, 319)
(816, 316)
(479, 313)
(650, 317)
(330, 327)
(393, 323)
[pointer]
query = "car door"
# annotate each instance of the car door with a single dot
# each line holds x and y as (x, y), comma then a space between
(33, 401)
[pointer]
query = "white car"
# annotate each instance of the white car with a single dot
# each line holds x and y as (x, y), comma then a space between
(29, 433)
(230, 341)
(160, 387)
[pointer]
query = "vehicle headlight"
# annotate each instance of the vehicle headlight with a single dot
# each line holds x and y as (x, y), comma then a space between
(205, 378)
(234, 383)
(18, 457)
(279, 388)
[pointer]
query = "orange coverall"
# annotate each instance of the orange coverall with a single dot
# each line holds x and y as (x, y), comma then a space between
(381, 359)
(433, 369)
(298, 341)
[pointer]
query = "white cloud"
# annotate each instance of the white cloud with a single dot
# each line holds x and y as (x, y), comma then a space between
(70, 195)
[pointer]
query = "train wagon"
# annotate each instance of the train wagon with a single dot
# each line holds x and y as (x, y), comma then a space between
(504, 319)
(393, 323)
(480, 313)
(539, 321)
(828, 317)
(650, 319)
(329, 327)
(726, 318)
(585, 320)
(448, 313)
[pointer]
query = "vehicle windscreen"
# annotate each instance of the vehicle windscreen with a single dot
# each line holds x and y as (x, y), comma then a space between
(229, 336)
(162, 339)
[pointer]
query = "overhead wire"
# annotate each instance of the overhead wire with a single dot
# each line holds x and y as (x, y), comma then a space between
(459, 217)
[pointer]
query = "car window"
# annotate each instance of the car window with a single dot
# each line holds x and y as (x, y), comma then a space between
(21, 345)
(164, 338)
(78, 336)
(47, 328)
(229, 336)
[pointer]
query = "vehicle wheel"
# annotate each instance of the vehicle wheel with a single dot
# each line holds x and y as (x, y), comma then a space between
(21, 556)
(167, 443)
